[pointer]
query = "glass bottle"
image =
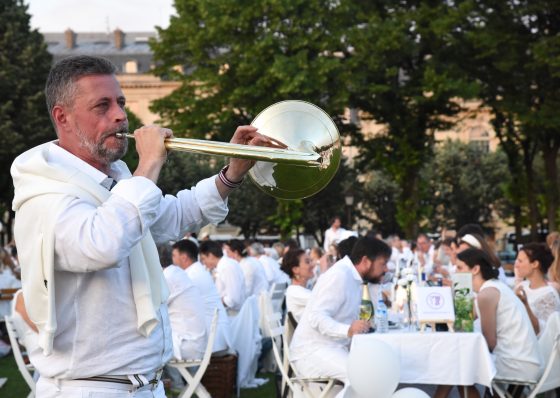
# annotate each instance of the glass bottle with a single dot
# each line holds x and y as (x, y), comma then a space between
(366, 306)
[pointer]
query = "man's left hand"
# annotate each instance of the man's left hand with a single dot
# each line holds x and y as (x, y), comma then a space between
(247, 135)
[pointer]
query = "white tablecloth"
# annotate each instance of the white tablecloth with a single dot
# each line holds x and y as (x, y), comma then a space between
(438, 357)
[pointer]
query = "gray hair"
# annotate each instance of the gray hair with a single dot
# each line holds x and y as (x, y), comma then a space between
(60, 88)
(257, 248)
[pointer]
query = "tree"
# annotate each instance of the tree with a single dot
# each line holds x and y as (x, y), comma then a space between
(466, 185)
(24, 67)
(405, 75)
(380, 198)
(514, 49)
(236, 61)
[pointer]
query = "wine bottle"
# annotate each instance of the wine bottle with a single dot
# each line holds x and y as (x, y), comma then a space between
(366, 306)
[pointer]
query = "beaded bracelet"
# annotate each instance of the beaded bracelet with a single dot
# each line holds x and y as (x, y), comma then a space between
(226, 181)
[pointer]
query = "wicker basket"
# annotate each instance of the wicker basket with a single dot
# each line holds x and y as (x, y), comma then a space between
(220, 378)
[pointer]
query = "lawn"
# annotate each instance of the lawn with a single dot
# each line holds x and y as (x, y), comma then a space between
(16, 387)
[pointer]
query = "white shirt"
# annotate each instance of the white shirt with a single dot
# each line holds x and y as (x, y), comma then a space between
(428, 259)
(333, 237)
(544, 301)
(272, 270)
(230, 283)
(333, 306)
(255, 277)
(202, 279)
(186, 314)
(95, 311)
(297, 298)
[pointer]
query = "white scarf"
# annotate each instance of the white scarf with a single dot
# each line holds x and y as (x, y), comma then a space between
(42, 192)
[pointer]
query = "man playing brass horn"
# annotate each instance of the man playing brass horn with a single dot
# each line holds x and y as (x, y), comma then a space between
(86, 230)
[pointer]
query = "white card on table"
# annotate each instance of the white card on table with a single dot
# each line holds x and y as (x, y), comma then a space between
(435, 304)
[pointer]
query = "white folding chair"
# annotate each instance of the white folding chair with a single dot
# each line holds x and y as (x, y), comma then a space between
(276, 332)
(24, 369)
(549, 344)
(194, 384)
(277, 292)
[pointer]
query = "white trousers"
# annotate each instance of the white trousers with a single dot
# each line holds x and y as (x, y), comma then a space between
(324, 362)
(49, 388)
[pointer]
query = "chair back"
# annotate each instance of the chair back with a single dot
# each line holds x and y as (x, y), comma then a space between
(277, 294)
(275, 329)
(24, 369)
(549, 345)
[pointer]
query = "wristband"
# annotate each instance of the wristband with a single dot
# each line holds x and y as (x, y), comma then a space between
(226, 181)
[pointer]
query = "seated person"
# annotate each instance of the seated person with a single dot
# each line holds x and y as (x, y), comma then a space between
(186, 310)
(321, 341)
(185, 255)
(270, 265)
(253, 271)
(503, 320)
(228, 276)
(299, 267)
(540, 299)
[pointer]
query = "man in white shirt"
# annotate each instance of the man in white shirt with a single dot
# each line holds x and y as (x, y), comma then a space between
(271, 267)
(229, 278)
(321, 341)
(185, 256)
(255, 277)
(186, 310)
(334, 234)
(92, 281)
(424, 255)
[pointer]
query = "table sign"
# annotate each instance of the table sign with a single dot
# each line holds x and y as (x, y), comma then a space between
(435, 305)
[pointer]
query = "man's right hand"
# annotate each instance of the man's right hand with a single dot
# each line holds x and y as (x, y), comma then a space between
(151, 150)
(358, 327)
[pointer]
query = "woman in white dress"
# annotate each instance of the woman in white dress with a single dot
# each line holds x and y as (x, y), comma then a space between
(504, 321)
(298, 265)
(540, 299)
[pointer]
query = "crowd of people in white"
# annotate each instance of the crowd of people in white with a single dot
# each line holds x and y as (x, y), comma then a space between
(323, 293)
(99, 316)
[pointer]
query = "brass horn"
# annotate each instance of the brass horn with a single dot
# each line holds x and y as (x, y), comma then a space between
(305, 157)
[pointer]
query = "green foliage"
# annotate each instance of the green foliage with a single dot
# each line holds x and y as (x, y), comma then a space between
(288, 217)
(240, 59)
(24, 66)
(405, 75)
(515, 51)
(465, 185)
(464, 315)
(380, 199)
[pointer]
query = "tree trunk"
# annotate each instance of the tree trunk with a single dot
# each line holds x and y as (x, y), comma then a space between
(408, 209)
(530, 193)
(517, 223)
(550, 154)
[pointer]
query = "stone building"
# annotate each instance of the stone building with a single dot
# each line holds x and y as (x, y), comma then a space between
(131, 54)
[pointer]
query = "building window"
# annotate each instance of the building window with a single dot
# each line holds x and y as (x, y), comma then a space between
(482, 145)
(131, 66)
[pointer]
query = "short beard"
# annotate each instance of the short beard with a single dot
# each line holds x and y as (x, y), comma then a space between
(98, 150)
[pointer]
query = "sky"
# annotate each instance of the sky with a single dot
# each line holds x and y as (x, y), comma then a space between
(99, 15)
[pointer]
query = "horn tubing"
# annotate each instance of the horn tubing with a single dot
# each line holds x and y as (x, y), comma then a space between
(250, 152)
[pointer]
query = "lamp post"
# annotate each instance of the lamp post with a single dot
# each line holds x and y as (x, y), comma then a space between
(349, 200)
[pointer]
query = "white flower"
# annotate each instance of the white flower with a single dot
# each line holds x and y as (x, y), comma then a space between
(403, 282)
(410, 277)
(408, 271)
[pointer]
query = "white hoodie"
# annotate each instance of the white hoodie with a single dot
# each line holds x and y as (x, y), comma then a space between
(42, 191)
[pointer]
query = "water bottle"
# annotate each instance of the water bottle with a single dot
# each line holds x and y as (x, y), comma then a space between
(381, 316)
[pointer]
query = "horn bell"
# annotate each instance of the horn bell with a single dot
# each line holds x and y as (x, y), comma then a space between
(301, 126)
